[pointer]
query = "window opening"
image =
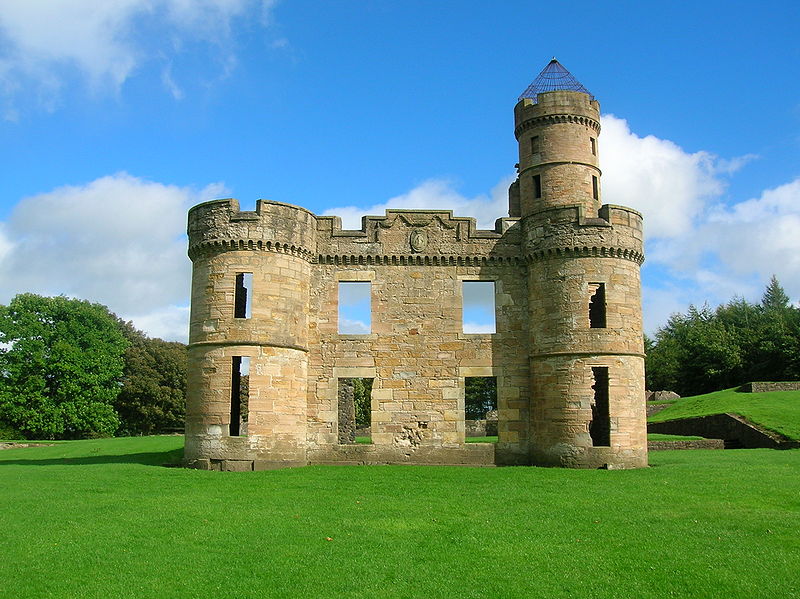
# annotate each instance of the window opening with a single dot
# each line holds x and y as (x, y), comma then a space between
(595, 190)
(600, 425)
(478, 307)
(537, 186)
(240, 395)
(480, 407)
(355, 410)
(597, 305)
(243, 294)
(535, 144)
(593, 143)
(355, 307)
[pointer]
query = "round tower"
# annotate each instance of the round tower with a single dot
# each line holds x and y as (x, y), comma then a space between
(248, 339)
(586, 342)
(556, 123)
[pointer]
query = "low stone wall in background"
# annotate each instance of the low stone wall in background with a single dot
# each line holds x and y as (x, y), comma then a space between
(775, 386)
(480, 428)
(695, 444)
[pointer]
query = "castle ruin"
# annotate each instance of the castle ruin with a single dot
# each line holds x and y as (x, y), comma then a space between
(266, 355)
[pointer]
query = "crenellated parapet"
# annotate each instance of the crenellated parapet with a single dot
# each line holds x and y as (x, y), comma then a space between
(417, 237)
(219, 226)
(616, 232)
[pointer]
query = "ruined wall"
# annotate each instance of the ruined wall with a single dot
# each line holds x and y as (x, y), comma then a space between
(417, 351)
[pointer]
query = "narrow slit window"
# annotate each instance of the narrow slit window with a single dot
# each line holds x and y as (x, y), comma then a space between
(243, 295)
(480, 407)
(355, 410)
(595, 189)
(355, 307)
(600, 425)
(240, 395)
(535, 144)
(597, 305)
(593, 143)
(478, 307)
(537, 186)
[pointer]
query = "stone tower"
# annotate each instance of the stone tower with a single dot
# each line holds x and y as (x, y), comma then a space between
(267, 358)
(586, 338)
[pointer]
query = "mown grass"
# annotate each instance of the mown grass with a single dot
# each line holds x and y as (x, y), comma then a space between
(100, 519)
(777, 411)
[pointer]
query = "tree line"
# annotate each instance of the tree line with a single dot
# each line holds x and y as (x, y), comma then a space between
(72, 369)
(706, 350)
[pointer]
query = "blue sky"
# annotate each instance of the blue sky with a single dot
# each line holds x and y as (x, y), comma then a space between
(117, 115)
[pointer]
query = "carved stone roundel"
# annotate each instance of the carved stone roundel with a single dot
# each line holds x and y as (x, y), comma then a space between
(419, 241)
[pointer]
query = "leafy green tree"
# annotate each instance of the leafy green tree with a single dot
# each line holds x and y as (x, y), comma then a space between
(60, 367)
(362, 399)
(706, 350)
(480, 396)
(153, 394)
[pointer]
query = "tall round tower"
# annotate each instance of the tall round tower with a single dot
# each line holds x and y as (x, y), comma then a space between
(586, 342)
(248, 336)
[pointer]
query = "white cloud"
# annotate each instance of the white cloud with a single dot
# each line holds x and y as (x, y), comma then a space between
(169, 322)
(348, 326)
(118, 240)
(104, 41)
(744, 242)
(669, 186)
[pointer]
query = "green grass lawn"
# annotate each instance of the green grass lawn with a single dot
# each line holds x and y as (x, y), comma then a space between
(99, 519)
(777, 411)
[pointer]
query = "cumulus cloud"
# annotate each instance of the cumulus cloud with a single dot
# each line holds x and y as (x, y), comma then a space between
(118, 240)
(104, 41)
(658, 178)
(736, 247)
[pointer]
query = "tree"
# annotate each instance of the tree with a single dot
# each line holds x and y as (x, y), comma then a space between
(362, 400)
(480, 396)
(153, 394)
(774, 297)
(705, 350)
(60, 367)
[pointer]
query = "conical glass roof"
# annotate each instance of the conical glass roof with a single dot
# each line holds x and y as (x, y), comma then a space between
(554, 77)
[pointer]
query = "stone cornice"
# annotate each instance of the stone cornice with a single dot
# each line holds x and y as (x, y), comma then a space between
(231, 245)
(586, 252)
(556, 118)
(418, 260)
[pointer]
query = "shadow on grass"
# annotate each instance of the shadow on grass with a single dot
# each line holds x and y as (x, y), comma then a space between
(161, 458)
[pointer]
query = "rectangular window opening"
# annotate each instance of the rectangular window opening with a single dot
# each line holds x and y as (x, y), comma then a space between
(597, 305)
(480, 408)
(355, 410)
(595, 189)
(355, 307)
(537, 186)
(535, 144)
(593, 143)
(478, 307)
(243, 295)
(600, 425)
(240, 395)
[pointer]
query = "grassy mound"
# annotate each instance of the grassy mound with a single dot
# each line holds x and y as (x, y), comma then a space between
(777, 411)
(98, 519)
